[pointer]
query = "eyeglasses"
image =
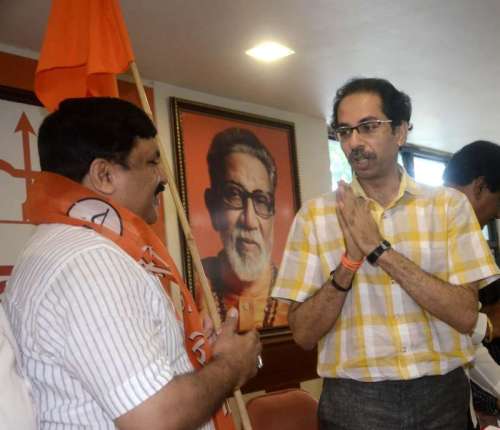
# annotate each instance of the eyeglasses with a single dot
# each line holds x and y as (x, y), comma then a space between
(365, 128)
(236, 197)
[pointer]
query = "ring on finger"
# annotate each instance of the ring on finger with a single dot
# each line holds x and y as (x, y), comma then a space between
(260, 363)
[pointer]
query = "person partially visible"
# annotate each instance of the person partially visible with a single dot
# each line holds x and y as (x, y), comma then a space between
(474, 170)
(88, 299)
(16, 406)
(241, 203)
(383, 276)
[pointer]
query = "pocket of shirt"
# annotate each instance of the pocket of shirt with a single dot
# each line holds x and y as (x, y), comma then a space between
(432, 258)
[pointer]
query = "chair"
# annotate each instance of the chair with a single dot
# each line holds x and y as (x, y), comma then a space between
(292, 409)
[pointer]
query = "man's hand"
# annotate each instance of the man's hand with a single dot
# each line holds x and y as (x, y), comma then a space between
(209, 330)
(355, 217)
(202, 391)
(352, 250)
(239, 351)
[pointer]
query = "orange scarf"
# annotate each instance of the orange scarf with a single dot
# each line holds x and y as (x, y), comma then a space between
(55, 199)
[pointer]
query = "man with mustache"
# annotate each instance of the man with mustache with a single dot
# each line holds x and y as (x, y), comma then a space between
(241, 204)
(383, 277)
(88, 299)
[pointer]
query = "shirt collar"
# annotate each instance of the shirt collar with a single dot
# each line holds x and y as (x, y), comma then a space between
(407, 185)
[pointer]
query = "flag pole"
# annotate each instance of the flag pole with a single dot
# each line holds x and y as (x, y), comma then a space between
(193, 249)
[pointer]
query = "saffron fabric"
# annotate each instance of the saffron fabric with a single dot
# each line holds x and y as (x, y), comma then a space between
(86, 44)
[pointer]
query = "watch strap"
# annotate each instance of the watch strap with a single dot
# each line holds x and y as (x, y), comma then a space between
(335, 285)
(373, 256)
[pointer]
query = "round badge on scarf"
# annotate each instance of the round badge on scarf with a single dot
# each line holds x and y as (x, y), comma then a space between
(97, 212)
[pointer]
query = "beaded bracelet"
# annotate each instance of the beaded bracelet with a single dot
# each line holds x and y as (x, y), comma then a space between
(349, 264)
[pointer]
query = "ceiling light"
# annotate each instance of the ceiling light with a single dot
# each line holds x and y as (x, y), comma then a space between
(269, 51)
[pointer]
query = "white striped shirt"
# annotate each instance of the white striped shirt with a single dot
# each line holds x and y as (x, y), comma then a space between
(98, 335)
(16, 406)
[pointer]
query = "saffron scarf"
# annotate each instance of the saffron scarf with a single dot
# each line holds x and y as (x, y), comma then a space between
(55, 199)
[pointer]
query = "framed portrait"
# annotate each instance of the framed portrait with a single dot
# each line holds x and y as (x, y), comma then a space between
(238, 180)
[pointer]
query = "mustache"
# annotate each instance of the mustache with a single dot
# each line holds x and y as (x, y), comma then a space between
(249, 235)
(160, 188)
(359, 153)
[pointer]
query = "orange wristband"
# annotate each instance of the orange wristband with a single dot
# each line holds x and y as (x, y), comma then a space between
(349, 264)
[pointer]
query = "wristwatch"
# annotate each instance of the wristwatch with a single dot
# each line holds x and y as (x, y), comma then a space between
(335, 285)
(373, 256)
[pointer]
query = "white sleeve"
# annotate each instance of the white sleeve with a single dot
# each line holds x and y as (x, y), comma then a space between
(479, 331)
(485, 372)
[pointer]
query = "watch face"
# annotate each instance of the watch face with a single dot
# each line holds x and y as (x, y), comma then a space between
(378, 251)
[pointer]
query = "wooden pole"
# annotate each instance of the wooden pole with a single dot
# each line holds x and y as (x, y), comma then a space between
(193, 249)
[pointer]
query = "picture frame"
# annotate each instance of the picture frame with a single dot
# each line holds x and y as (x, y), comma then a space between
(194, 127)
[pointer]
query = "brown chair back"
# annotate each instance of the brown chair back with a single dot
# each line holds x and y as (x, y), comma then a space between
(292, 409)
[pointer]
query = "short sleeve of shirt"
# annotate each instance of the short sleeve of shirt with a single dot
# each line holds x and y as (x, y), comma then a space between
(300, 274)
(116, 332)
(469, 257)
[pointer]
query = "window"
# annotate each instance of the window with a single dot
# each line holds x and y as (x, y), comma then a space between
(339, 166)
(424, 164)
(429, 172)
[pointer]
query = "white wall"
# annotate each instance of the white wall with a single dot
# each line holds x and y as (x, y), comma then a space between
(310, 134)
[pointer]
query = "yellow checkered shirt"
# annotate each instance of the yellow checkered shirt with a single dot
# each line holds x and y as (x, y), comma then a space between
(382, 333)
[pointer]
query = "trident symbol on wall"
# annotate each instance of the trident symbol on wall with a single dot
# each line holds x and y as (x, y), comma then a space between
(27, 173)
(23, 126)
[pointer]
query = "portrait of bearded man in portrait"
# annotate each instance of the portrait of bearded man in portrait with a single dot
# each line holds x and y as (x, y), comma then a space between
(241, 203)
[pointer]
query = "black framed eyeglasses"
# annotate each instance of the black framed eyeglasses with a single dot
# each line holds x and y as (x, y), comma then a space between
(234, 196)
(365, 128)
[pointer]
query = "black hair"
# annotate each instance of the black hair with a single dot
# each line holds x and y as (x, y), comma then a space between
(477, 159)
(84, 129)
(232, 140)
(396, 105)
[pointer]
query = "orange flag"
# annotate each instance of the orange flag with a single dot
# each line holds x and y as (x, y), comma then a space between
(85, 46)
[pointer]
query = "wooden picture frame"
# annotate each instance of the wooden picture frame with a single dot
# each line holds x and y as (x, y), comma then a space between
(196, 127)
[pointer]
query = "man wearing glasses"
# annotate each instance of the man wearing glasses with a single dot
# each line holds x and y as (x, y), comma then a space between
(383, 276)
(241, 203)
